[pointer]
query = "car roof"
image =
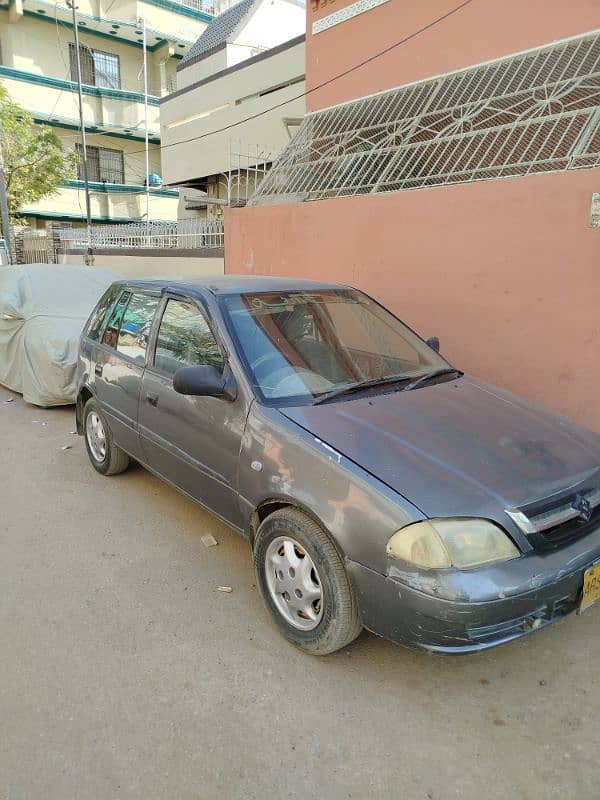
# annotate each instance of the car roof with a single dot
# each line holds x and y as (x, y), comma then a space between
(230, 284)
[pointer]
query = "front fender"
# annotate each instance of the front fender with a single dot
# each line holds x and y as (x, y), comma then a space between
(280, 462)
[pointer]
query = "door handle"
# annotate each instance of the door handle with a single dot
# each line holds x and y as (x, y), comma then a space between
(98, 370)
(152, 399)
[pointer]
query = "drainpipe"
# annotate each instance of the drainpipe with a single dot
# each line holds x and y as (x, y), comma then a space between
(89, 259)
(4, 203)
(142, 23)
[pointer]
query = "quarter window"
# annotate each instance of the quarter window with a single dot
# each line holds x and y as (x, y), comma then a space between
(185, 339)
(111, 333)
(94, 326)
(136, 323)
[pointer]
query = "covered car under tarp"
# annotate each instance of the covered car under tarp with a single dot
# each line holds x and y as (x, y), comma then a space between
(43, 308)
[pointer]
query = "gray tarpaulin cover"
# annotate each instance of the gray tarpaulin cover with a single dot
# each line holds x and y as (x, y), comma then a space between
(43, 308)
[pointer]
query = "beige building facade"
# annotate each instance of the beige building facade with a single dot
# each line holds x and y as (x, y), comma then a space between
(38, 69)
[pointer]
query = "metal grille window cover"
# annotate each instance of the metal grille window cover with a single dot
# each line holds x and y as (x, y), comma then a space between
(104, 164)
(97, 67)
(537, 111)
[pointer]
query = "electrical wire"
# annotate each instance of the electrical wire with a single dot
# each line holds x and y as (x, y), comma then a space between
(109, 8)
(60, 50)
(307, 92)
(327, 82)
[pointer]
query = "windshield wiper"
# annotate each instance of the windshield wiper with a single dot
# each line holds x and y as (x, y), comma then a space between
(357, 387)
(430, 375)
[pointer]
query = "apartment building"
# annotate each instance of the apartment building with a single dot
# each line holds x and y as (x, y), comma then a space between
(38, 67)
(239, 97)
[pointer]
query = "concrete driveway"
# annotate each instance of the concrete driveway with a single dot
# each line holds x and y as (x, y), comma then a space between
(125, 674)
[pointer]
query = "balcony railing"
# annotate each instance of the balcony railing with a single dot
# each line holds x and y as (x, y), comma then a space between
(185, 234)
(208, 6)
(213, 7)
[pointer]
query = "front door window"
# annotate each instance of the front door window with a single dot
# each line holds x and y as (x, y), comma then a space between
(185, 339)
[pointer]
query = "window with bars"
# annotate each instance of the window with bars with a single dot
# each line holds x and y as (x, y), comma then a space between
(532, 112)
(97, 68)
(104, 165)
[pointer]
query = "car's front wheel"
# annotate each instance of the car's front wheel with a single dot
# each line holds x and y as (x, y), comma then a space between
(303, 583)
(105, 455)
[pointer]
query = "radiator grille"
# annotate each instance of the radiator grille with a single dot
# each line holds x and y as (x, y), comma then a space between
(533, 112)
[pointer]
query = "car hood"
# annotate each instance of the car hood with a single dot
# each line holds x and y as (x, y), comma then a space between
(461, 447)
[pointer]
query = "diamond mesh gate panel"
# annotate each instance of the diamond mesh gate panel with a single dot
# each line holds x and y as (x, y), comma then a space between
(534, 112)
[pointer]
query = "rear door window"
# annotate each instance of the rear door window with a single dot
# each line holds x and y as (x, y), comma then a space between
(136, 323)
(185, 339)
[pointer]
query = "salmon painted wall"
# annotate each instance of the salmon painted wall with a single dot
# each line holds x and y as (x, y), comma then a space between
(482, 30)
(506, 272)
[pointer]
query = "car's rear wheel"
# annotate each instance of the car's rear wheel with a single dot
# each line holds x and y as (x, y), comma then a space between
(303, 583)
(106, 457)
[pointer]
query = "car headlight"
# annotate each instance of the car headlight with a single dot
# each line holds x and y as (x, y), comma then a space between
(443, 543)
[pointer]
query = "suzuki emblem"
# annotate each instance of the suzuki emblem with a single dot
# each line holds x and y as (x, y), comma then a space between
(582, 505)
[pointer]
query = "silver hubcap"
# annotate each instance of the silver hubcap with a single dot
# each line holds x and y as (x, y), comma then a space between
(95, 435)
(294, 583)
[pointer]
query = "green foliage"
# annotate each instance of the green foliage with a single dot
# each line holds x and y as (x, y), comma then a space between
(35, 163)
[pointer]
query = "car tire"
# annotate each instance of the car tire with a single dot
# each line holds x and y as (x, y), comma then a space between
(319, 614)
(106, 457)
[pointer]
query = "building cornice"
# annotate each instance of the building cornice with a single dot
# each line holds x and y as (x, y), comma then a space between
(119, 188)
(71, 86)
(59, 215)
(91, 128)
(85, 22)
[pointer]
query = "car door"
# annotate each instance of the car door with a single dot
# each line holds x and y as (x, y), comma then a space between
(193, 442)
(119, 365)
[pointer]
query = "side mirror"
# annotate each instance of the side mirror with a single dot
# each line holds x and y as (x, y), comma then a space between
(434, 343)
(202, 381)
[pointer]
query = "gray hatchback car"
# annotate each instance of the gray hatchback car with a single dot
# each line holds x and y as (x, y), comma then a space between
(379, 486)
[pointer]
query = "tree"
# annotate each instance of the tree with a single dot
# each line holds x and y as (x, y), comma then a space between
(35, 163)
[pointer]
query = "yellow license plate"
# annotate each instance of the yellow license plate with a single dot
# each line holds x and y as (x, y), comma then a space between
(591, 587)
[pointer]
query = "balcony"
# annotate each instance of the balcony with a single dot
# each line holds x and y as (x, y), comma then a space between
(177, 21)
(213, 7)
(208, 6)
(112, 110)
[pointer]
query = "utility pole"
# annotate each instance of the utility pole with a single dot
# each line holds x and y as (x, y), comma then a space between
(89, 260)
(142, 24)
(4, 202)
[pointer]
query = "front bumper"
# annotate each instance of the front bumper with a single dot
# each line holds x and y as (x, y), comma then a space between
(504, 602)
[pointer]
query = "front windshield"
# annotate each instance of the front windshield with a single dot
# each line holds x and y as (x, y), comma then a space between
(302, 345)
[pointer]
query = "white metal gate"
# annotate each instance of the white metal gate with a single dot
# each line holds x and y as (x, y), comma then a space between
(35, 248)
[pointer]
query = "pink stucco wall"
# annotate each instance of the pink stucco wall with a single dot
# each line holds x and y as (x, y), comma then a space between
(506, 272)
(479, 32)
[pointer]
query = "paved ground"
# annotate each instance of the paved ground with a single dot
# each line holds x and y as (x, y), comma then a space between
(125, 674)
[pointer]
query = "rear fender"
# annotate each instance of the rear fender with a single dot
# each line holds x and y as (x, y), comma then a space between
(83, 396)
